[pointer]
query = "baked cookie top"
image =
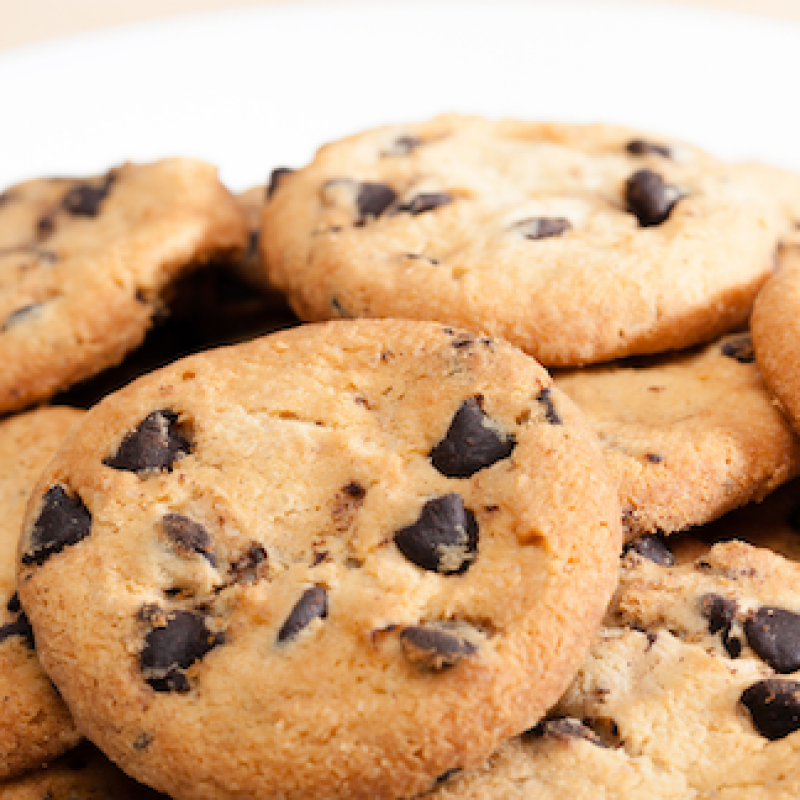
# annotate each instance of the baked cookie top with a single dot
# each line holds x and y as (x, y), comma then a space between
(36, 725)
(577, 243)
(776, 330)
(689, 436)
(337, 561)
(84, 263)
(691, 690)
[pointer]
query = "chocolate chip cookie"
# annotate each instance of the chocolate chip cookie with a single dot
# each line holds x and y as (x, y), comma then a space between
(337, 561)
(84, 265)
(577, 243)
(36, 726)
(689, 436)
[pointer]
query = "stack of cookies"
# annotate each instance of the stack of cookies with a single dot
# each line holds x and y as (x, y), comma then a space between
(513, 518)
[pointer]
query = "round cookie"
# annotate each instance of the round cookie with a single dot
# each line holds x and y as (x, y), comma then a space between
(776, 330)
(691, 691)
(85, 263)
(36, 725)
(577, 243)
(82, 774)
(688, 436)
(334, 562)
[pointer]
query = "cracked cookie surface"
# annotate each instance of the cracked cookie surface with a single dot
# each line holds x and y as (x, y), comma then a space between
(84, 264)
(338, 561)
(577, 243)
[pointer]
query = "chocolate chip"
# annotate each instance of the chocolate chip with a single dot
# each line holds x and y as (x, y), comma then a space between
(774, 705)
(444, 538)
(434, 647)
(313, 603)
(565, 728)
(740, 348)
(718, 610)
(156, 444)
(654, 458)
(374, 198)
(176, 640)
(471, 443)
(445, 776)
(63, 521)
(641, 147)
(275, 180)
(543, 227)
(17, 316)
(13, 605)
(649, 199)
(652, 548)
(85, 201)
(774, 633)
(189, 536)
(19, 627)
(427, 201)
(545, 398)
(250, 566)
(355, 490)
(403, 145)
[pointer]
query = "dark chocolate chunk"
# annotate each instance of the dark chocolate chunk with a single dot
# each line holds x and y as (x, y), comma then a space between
(641, 147)
(427, 201)
(653, 548)
(434, 647)
(471, 443)
(444, 538)
(543, 227)
(740, 348)
(719, 611)
(313, 603)
(85, 201)
(175, 641)
(17, 316)
(19, 627)
(774, 705)
(774, 633)
(189, 536)
(156, 444)
(275, 180)
(545, 398)
(63, 521)
(568, 728)
(649, 199)
(374, 198)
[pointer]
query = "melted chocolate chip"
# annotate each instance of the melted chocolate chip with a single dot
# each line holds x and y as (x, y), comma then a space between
(63, 521)
(564, 728)
(19, 627)
(434, 647)
(374, 198)
(641, 147)
(649, 199)
(427, 201)
(85, 201)
(275, 180)
(652, 548)
(156, 444)
(444, 538)
(740, 348)
(719, 611)
(471, 443)
(176, 640)
(543, 227)
(545, 399)
(19, 315)
(774, 633)
(774, 705)
(313, 603)
(189, 536)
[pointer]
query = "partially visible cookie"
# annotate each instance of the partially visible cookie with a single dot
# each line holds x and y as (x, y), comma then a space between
(578, 243)
(82, 774)
(35, 724)
(776, 330)
(688, 436)
(335, 562)
(84, 265)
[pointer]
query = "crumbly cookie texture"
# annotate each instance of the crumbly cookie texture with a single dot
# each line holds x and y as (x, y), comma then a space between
(335, 562)
(36, 725)
(85, 264)
(689, 436)
(691, 690)
(82, 774)
(577, 243)
(776, 330)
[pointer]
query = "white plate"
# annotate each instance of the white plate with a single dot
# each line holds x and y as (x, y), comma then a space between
(256, 88)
